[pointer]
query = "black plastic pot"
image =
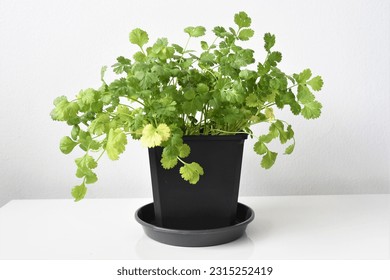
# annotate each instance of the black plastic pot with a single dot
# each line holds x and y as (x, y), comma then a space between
(212, 202)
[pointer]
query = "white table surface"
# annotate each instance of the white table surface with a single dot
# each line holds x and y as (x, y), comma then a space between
(285, 227)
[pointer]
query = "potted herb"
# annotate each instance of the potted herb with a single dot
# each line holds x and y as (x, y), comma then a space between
(193, 110)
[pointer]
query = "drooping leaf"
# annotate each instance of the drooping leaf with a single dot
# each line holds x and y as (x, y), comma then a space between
(152, 137)
(260, 148)
(289, 149)
(86, 162)
(67, 145)
(191, 172)
(184, 151)
(78, 192)
(268, 159)
(168, 163)
(116, 143)
(75, 132)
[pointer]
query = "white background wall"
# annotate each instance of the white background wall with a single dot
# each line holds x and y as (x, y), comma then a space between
(51, 47)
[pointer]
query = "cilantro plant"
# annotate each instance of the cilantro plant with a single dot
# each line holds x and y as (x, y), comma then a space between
(166, 91)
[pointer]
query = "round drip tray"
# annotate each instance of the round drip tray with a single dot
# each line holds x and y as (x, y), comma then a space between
(194, 238)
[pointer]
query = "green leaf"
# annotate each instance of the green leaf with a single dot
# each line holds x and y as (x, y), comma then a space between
(204, 45)
(247, 74)
(304, 95)
(252, 100)
(189, 94)
(100, 125)
(207, 58)
(67, 145)
(169, 156)
(86, 142)
(139, 57)
(311, 110)
(202, 88)
(263, 69)
(171, 151)
(184, 151)
(116, 143)
(269, 41)
(219, 31)
(90, 177)
(242, 19)
(85, 165)
(246, 34)
(289, 149)
(274, 58)
(278, 129)
(122, 65)
(191, 172)
(197, 31)
(192, 106)
(290, 132)
(78, 192)
(295, 108)
(64, 110)
(268, 159)
(316, 83)
(146, 78)
(168, 162)
(243, 58)
(178, 48)
(75, 132)
(138, 37)
(86, 97)
(86, 162)
(102, 72)
(268, 137)
(302, 77)
(269, 114)
(152, 137)
(260, 148)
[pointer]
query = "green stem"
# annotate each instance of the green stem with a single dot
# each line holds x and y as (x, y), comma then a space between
(182, 161)
(100, 155)
(216, 38)
(136, 100)
(127, 106)
(185, 48)
(233, 132)
(292, 86)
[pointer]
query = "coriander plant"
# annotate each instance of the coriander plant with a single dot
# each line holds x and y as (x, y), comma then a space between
(166, 91)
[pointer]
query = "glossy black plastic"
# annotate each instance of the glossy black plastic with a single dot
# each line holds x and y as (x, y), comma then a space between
(212, 202)
(194, 238)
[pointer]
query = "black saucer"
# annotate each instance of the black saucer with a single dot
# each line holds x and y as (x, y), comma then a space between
(194, 238)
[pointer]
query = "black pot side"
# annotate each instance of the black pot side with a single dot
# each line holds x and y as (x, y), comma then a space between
(212, 202)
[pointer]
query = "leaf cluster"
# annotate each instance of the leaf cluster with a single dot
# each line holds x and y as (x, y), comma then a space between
(166, 91)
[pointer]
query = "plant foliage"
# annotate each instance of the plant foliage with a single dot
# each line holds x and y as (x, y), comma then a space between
(166, 91)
